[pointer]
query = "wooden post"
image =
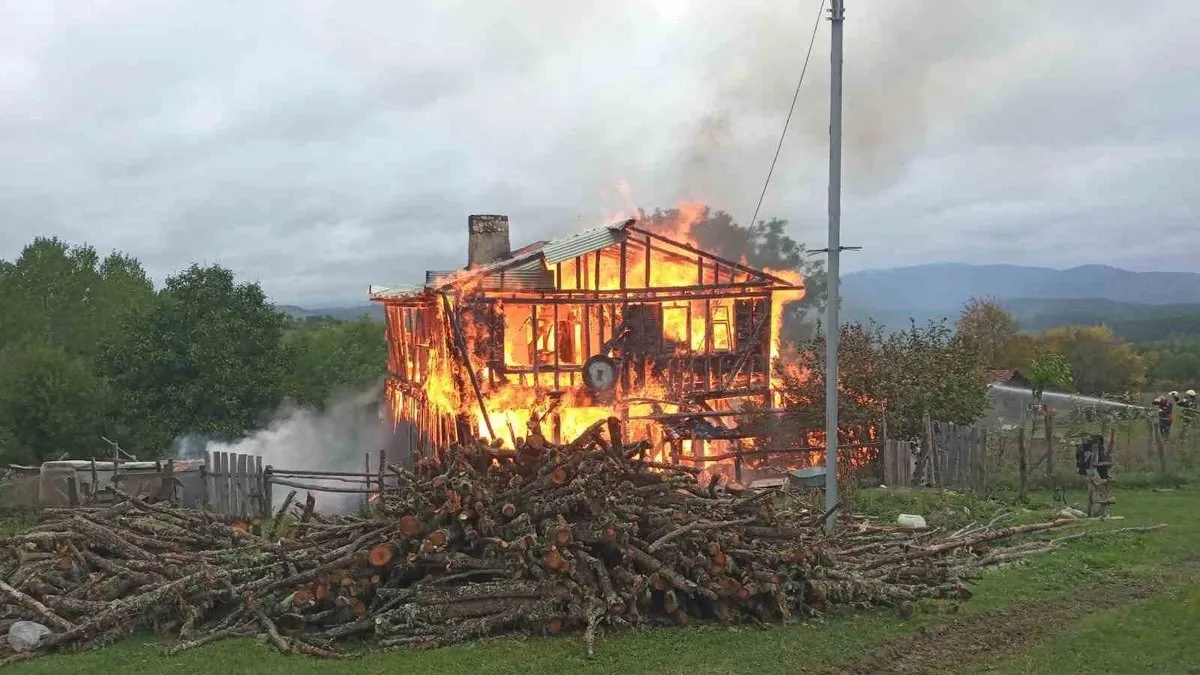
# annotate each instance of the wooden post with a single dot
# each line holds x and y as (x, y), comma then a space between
(259, 490)
(95, 482)
(382, 465)
(1151, 433)
(169, 483)
(268, 493)
(72, 490)
(1049, 417)
(1023, 462)
(206, 479)
(240, 486)
(889, 463)
(226, 494)
(1162, 455)
(981, 460)
(367, 494)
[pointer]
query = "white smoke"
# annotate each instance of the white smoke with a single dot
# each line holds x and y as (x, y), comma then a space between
(299, 438)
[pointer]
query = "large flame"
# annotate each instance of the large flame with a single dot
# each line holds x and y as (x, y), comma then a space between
(523, 402)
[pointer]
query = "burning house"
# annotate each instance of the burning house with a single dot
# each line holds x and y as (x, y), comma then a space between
(623, 320)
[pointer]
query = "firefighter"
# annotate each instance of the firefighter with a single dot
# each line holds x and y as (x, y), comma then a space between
(1189, 399)
(1166, 414)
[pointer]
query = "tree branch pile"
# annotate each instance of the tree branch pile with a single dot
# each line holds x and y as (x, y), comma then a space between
(573, 539)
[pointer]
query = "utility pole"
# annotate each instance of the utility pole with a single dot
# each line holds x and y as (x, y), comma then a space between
(832, 327)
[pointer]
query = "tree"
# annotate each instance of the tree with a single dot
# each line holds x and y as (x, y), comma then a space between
(926, 369)
(205, 357)
(1100, 362)
(51, 403)
(1047, 370)
(931, 371)
(68, 296)
(992, 332)
(326, 356)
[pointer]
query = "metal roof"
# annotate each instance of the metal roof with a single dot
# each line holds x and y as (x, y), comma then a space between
(527, 269)
(382, 292)
(565, 248)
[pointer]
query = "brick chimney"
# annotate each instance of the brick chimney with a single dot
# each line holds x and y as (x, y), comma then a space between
(487, 239)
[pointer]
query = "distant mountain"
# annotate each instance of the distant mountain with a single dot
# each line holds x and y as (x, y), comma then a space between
(349, 313)
(1137, 305)
(948, 286)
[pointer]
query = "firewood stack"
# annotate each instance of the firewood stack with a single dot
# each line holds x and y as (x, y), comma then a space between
(544, 540)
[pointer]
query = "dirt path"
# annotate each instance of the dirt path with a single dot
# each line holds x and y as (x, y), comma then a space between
(975, 639)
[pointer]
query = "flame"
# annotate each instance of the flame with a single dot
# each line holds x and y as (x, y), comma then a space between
(523, 400)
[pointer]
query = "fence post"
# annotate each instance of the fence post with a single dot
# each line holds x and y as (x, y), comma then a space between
(889, 463)
(1162, 455)
(1023, 462)
(1049, 415)
(979, 468)
(259, 492)
(268, 493)
(240, 486)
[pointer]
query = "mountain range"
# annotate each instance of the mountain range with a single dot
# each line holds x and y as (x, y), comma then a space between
(1039, 297)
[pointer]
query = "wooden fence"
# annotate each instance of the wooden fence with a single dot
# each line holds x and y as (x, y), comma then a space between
(234, 484)
(898, 460)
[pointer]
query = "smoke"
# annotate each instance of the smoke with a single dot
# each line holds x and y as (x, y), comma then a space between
(905, 65)
(305, 439)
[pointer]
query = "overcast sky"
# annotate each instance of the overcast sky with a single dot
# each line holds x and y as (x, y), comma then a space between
(319, 147)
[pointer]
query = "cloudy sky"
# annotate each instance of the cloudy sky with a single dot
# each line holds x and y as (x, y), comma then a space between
(319, 147)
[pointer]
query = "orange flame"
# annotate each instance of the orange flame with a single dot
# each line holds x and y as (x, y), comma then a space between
(523, 400)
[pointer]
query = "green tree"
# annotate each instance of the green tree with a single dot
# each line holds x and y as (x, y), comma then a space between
(51, 403)
(206, 357)
(1100, 362)
(1048, 370)
(69, 296)
(992, 332)
(927, 369)
(931, 370)
(330, 355)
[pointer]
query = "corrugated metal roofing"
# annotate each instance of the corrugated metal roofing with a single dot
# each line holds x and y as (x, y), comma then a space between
(526, 269)
(566, 248)
(394, 291)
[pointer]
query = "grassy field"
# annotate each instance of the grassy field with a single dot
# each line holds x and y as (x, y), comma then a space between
(1119, 603)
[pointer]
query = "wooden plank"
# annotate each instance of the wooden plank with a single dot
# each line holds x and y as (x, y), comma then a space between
(264, 506)
(243, 475)
(889, 463)
(218, 483)
(226, 495)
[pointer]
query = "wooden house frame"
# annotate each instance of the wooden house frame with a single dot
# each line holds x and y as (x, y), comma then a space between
(535, 316)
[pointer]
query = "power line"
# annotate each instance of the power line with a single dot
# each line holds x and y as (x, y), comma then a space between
(812, 40)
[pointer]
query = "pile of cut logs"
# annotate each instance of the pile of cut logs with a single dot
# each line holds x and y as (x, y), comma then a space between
(483, 542)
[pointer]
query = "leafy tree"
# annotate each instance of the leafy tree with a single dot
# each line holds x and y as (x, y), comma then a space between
(206, 357)
(931, 371)
(1047, 370)
(68, 296)
(992, 331)
(331, 355)
(1100, 362)
(51, 403)
(926, 369)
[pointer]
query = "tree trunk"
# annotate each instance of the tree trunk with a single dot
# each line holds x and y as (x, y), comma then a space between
(1049, 419)
(1023, 462)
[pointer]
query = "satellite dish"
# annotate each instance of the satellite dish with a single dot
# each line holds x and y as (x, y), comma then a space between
(600, 373)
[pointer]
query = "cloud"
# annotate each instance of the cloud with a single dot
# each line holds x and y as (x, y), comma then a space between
(321, 146)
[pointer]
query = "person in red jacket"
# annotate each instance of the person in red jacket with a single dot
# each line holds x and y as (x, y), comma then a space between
(1166, 415)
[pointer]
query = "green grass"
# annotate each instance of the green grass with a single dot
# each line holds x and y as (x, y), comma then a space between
(1156, 633)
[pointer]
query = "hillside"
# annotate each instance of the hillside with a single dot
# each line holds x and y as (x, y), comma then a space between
(947, 286)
